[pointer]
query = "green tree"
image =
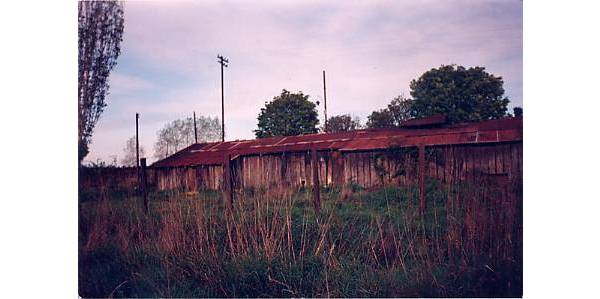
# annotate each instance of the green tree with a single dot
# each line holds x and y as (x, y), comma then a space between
(397, 111)
(100, 33)
(342, 123)
(518, 112)
(287, 115)
(383, 118)
(400, 107)
(461, 94)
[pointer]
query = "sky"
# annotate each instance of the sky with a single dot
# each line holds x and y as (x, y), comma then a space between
(370, 50)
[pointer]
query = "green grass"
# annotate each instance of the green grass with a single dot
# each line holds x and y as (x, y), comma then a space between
(273, 244)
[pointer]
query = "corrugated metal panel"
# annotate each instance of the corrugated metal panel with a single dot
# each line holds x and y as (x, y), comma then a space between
(427, 121)
(502, 130)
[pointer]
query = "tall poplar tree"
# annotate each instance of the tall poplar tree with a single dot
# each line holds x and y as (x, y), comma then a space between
(101, 26)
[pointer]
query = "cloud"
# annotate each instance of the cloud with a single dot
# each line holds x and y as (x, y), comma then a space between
(127, 83)
(370, 51)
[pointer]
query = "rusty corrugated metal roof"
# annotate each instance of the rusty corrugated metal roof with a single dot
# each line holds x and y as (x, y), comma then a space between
(501, 130)
(427, 121)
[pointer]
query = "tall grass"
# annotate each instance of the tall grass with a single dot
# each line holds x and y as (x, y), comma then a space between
(362, 244)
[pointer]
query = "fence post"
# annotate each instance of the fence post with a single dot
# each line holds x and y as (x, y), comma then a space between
(422, 179)
(227, 188)
(144, 183)
(316, 185)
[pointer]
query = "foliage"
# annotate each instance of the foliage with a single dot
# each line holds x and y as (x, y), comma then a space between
(288, 114)
(400, 107)
(404, 160)
(381, 119)
(180, 133)
(342, 123)
(461, 94)
(129, 152)
(518, 112)
(397, 111)
(398, 156)
(101, 26)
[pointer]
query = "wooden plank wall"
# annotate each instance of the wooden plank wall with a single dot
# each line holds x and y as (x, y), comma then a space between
(449, 163)
(112, 177)
(205, 177)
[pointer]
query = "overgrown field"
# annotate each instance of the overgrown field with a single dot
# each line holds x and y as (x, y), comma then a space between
(362, 244)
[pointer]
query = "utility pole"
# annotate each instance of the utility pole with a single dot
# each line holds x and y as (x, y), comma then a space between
(137, 142)
(316, 184)
(325, 98)
(195, 129)
(137, 145)
(223, 62)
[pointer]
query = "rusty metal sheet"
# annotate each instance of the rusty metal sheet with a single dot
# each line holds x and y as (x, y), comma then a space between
(501, 124)
(426, 121)
(502, 130)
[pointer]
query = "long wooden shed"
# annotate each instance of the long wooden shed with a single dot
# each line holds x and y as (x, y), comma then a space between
(368, 158)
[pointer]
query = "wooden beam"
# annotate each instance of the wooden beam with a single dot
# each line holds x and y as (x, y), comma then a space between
(316, 185)
(144, 185)
(227, 181)
(422, 179)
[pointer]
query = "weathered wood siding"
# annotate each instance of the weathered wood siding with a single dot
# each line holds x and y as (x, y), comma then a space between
(204, 177)
(449, 164)
(500, 162)
(112, 177)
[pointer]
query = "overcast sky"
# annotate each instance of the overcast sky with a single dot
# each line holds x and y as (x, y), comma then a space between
(370, 50)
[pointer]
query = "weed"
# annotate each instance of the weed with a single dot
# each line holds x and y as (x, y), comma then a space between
(271, 243)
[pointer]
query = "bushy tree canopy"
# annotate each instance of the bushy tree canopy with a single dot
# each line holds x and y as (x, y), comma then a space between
(459, 93)
(518, 111)
(397, 111)
(342, 123)
(287, 115)
(400, 107)
(381, 119)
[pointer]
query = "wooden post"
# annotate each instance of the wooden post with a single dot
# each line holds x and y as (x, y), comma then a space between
(227, 182)
(144, 183)
(284, 162)
(316, 185)
(422, 179)
(325, 99)
(137, 148)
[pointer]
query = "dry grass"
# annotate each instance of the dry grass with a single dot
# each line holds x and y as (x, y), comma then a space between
(273, 244)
